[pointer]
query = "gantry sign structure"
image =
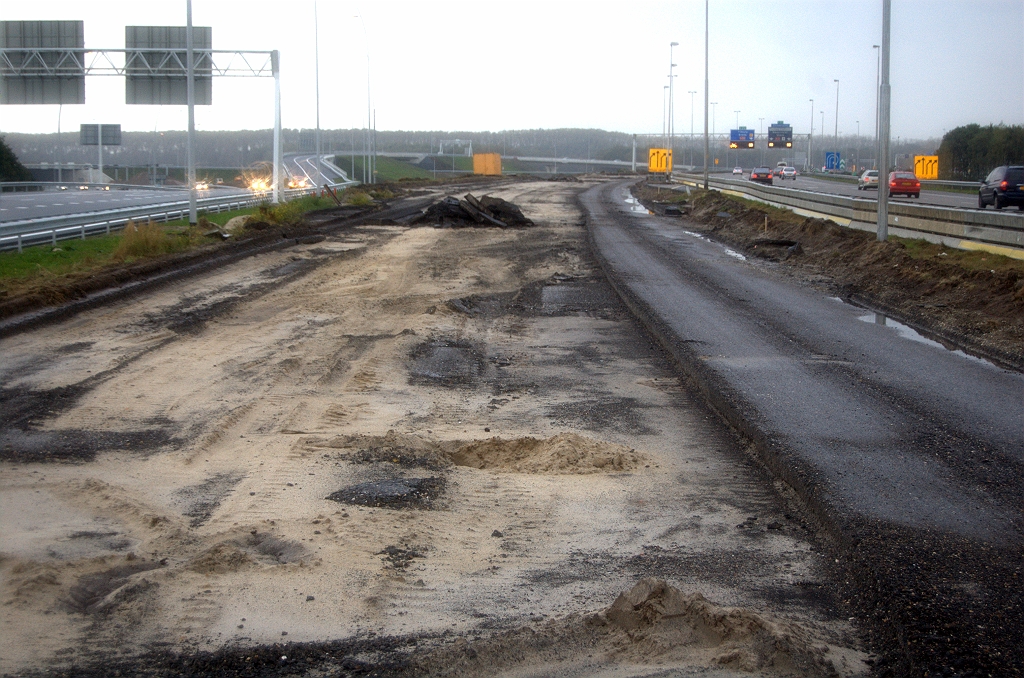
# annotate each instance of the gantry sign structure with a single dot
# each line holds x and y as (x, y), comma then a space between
(46, 62)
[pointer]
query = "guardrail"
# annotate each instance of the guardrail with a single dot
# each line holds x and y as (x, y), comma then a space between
(20, 234)
(851, 179)
(999, 232)
(37, 186)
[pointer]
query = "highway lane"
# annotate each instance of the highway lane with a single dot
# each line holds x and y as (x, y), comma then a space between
(928, 197)
(834, 187)
(910, 455)
(37, 205)
(299, 165)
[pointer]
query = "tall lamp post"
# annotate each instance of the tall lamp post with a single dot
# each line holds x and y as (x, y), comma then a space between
(760, 132)
(706, 90)
(878, 75)
(692, 93)
(368, 162)
(858, 143)
(837, 118)
(671, 97)
(664, 115)
(810, 163)
(316, 70)
(713, 104)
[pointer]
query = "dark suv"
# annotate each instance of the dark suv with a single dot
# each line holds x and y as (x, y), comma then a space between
(1003, 186)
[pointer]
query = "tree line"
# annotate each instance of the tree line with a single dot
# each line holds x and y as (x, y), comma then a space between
(970, 152)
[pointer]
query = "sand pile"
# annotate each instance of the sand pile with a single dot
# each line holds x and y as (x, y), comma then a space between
(660, 622)
(563, 453)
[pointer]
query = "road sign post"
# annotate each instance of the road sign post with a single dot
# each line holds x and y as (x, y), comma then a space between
(659, 161)
(926, 166)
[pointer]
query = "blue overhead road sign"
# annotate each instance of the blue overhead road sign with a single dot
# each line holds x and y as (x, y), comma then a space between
(833, 161)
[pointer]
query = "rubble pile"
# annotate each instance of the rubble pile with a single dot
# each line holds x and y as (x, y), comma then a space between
(470, 211)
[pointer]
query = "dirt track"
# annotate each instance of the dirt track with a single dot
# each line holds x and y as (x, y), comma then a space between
(504, 450)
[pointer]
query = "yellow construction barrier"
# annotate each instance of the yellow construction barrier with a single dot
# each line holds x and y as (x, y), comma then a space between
(487, 163)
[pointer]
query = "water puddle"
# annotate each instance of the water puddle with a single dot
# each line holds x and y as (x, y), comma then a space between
(635, 207)
(913, 335)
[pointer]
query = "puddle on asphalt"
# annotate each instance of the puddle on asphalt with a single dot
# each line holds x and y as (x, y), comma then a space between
(909, 333)
(635, 207)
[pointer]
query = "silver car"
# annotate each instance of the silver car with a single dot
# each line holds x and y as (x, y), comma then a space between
(868, 180)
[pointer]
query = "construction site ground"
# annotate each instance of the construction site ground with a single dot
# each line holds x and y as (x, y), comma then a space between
(395, 451)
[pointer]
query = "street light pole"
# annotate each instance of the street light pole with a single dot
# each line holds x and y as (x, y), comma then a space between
(316, 62)
(760, 132)
(858, 143)
(671, 97)
(810, 163)
(836, 143)
(368, 164)
(883, 125)
(706, 95)
(664, 115)
(878, 75)
(190, 93)
(692, 92)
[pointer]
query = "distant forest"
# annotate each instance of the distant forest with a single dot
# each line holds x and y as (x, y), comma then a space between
(970, 152)
(243, 148)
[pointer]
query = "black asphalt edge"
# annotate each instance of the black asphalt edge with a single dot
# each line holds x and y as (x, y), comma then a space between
(956, 340)
(723, 399)
(829, 523)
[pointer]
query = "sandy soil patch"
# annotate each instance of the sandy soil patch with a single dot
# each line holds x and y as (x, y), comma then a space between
(391, 445)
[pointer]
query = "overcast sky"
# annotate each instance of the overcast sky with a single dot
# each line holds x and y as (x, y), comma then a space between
(494, 65)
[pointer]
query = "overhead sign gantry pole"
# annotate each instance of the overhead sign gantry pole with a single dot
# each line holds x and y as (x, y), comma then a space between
(45, 62)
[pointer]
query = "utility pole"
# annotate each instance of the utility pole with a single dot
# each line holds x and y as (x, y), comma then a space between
(883, 119)
(634, 154)
(190, 143)
(706, 95)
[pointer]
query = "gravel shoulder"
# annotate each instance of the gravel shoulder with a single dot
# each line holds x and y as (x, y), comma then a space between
(394, 451)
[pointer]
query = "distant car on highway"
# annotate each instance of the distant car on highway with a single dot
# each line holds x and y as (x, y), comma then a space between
(905, 183)
(762, 175)
(868, 180)
(788, 173)
(737, 170)
(1002, 187)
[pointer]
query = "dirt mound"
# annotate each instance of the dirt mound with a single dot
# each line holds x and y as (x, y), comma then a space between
(485, 211)
(652, 624)
(659, 621)
(563, 453)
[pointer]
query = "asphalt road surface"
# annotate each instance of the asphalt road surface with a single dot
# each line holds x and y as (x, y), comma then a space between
(304, 166)
(835, 187)
(37, 205)
(911, 455)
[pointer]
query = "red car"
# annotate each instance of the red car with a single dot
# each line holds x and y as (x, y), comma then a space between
(905, 183)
